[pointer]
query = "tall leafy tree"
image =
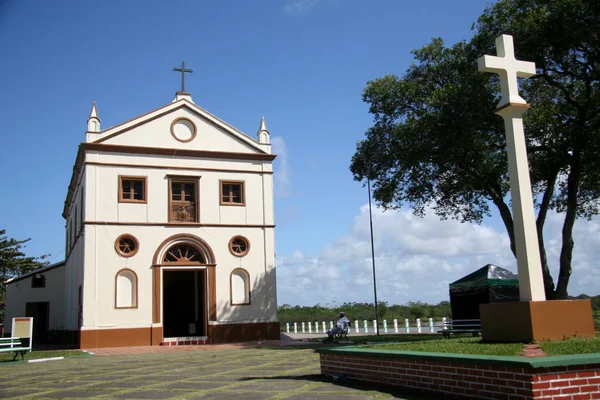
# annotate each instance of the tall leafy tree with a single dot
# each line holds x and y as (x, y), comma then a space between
(14, 262)
(436, 143)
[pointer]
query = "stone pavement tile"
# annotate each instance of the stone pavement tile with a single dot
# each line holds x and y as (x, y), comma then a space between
(209, 371)
(152, 394)
(55, 385)
(285, 366)
(16, 394)
(151, 379)
(18, 376)
(250, 373)
(269, 386)
(192, 385)
(76, 394)
(215, 378)
(232, 395)
(169, 378)
(153, 371)
(103, 378)
(269, 370)
(129, 384)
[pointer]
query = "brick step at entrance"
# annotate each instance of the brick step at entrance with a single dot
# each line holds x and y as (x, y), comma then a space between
(185, 341)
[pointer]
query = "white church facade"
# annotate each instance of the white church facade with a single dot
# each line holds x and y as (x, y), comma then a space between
(169, 236)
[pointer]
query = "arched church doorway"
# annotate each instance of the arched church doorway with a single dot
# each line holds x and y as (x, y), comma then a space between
(184, 269)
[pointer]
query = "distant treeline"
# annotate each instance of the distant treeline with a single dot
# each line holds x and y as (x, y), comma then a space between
(362, 311)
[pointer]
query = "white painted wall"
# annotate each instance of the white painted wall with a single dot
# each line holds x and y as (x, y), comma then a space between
(103, 263)
(102, 180)
(20, 292)
(157, 133)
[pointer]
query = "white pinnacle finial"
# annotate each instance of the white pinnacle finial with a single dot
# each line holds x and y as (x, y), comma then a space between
(509, 68)
(263, 125)
(263, 132)
(94, 113)
(93, 120)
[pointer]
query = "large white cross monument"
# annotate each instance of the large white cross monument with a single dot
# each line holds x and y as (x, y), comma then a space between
(511, 109)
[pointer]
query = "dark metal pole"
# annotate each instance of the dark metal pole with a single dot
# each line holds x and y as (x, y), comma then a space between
(373, 258)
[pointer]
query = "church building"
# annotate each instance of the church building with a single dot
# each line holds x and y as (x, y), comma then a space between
(169, 236)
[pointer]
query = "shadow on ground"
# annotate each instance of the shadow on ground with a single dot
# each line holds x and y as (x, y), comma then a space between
(342, 382)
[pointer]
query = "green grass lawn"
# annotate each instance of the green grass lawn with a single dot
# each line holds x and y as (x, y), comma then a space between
(34, 355)
(466, 344)
(571, 346)
(458, 344)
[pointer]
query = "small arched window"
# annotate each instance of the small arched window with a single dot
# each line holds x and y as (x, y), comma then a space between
(240, 287)
(38, 281)
(126, 289)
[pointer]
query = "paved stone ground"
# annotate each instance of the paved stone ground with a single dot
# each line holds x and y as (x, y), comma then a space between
(203, 373)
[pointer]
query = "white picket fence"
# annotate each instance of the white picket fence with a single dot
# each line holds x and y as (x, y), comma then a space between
(430, 326)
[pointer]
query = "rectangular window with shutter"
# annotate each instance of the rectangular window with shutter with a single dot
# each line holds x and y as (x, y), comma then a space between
(132, 189)
(232, 193)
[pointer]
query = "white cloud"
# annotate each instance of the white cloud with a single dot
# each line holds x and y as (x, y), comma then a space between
(416, 259)
(299, 7)
(283, 184)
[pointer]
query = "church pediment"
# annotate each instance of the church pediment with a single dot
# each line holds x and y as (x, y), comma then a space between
(180, 125)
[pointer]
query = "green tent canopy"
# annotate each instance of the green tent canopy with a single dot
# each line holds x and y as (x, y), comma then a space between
(490, 275)
(489, 284)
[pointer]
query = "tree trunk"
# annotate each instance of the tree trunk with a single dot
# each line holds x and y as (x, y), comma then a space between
(566, 253)
(541, 220)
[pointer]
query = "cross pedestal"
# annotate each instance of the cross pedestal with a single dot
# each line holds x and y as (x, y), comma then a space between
(532, 318)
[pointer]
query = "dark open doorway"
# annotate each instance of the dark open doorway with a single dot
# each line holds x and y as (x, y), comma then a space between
(184, 303)
(40, 313)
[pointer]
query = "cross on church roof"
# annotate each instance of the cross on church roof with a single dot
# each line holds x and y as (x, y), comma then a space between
(509, 68)
(183, 71)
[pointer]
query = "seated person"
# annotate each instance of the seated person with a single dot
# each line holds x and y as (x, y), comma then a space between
(342, 323)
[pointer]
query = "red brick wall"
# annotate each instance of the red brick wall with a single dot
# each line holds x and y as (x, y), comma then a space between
(573, 383)
(469, 380)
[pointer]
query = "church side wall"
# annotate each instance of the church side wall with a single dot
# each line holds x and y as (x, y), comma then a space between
(19, 293)
(75, 252)
(73, 279)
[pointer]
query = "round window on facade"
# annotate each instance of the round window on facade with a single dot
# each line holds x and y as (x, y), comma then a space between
(127, 245)
(239, 246)
(183, 130)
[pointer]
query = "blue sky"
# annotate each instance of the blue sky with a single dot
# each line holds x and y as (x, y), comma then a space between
(301, 63)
